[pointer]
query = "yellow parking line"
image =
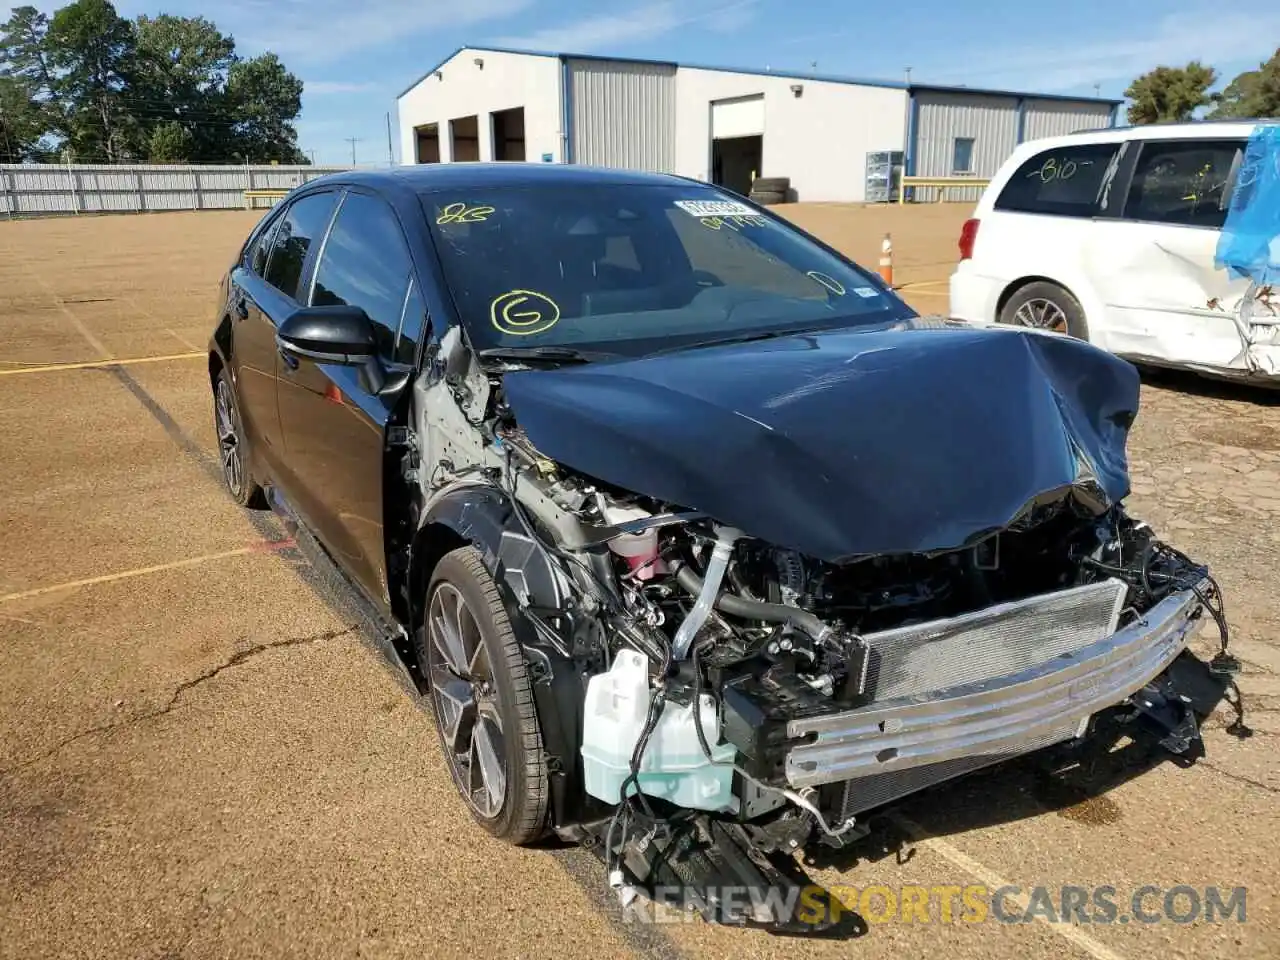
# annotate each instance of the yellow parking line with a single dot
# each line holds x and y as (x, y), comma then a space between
(993, 881)
(926, 293)
(139, 572)
(89, 364)
(923, 283)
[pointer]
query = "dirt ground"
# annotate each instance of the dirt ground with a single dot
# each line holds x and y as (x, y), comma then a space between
(202, 756)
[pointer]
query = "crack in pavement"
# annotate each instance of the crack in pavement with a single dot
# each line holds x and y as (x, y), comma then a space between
(234, 660)
(1240, 778)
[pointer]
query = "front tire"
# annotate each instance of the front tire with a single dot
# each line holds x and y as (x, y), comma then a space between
(1046, 306)
(483, 700)
(233, 452)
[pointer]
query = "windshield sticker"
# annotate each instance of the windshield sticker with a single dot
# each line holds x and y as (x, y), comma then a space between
(715, 208)
(866, 293)
(831, 283)
(523, 313)
(461, 213)
(735, 222)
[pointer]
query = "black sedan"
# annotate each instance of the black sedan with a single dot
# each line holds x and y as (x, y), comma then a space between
(699, 542)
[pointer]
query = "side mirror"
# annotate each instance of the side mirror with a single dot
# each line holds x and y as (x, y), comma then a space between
(331, 334)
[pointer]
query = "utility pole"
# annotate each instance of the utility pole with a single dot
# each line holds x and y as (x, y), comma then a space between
(391, 153)
(353, 141)
(1097, 89)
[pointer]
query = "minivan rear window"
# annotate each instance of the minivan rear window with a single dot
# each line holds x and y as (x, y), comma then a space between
(1065, 181)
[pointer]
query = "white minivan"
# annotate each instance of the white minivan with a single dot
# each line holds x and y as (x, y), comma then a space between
(1110, 236)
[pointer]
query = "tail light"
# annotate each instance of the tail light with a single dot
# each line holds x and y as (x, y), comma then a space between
(968, 236)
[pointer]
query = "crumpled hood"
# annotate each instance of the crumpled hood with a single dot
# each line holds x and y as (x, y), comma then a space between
(922, 437)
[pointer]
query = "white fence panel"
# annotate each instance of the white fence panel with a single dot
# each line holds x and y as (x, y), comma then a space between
(39, 189)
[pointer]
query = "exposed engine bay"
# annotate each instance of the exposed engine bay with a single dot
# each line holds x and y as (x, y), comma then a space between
(713, 691)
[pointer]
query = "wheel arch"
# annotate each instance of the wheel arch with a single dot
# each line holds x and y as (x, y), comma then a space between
(1076, 285)
(483, 517)
(220, 349)
(1011, 289)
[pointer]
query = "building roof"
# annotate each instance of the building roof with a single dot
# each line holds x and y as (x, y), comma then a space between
(784, 74)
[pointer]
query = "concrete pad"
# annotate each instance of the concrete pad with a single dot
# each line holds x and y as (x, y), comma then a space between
(182, 388)
(100, 486)
(119, 650)
(890, 933)
(1120, 823)
(294, 802)
(292, 805)
(34, 334)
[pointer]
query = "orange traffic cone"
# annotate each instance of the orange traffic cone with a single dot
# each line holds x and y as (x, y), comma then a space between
(886, 261)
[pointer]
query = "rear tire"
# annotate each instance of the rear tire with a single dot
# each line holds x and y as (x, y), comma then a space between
(483, 700)
(1042, 305)
(233, 451)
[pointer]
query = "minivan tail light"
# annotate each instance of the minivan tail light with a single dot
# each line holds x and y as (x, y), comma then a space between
(968, 236)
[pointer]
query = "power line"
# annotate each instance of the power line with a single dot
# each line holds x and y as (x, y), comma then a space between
(391, 154)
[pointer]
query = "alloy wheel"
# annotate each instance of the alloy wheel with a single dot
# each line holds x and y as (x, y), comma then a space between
(466, 701)
(228, 427)
(1041, 314)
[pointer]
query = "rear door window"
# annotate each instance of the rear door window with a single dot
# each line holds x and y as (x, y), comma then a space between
(303, 225)
(260, 246)
(1183, 182)
(1066, 181)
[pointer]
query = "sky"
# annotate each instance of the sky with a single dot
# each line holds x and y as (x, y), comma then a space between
(355, 56)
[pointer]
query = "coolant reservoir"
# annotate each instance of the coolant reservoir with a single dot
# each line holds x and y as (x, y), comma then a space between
(673, 767)
(640, 550)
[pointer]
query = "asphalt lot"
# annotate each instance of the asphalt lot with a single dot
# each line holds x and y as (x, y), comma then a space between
(202, 756)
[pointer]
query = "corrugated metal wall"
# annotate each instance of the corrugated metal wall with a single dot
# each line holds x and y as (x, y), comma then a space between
(1056, 118)
(34, 189)
(624, 114)
(990, 121)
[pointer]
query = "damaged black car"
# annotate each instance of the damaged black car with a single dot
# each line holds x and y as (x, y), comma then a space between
(700, 543)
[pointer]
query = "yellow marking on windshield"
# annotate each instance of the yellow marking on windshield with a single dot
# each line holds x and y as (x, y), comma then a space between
(831, 283)
(734, 222)
(523, 313)
(461, 213)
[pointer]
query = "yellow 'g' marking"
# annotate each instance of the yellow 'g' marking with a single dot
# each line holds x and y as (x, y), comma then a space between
(523, 313)
(461, 213)
(831, 283)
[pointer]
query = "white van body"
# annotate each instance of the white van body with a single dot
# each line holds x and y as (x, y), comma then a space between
(1123, 224)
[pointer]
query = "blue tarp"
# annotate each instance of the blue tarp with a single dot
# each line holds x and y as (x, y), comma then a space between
(1250, 241)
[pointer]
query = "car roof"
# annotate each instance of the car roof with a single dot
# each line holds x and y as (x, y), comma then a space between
(429, 177)
(1208, 129)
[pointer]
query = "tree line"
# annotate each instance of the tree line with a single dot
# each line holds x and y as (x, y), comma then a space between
(86, 85)
(1171, 94)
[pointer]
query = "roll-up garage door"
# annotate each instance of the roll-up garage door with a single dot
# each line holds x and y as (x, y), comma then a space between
(739, 117)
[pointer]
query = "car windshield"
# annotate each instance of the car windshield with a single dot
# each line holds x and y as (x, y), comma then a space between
(630, 269)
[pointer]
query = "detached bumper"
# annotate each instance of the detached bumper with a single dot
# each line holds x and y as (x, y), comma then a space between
(993, 718)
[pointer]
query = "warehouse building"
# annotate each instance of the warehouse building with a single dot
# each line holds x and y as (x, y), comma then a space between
(836, 138)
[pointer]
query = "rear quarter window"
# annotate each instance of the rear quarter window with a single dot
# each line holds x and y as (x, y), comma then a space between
(1067, 181)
